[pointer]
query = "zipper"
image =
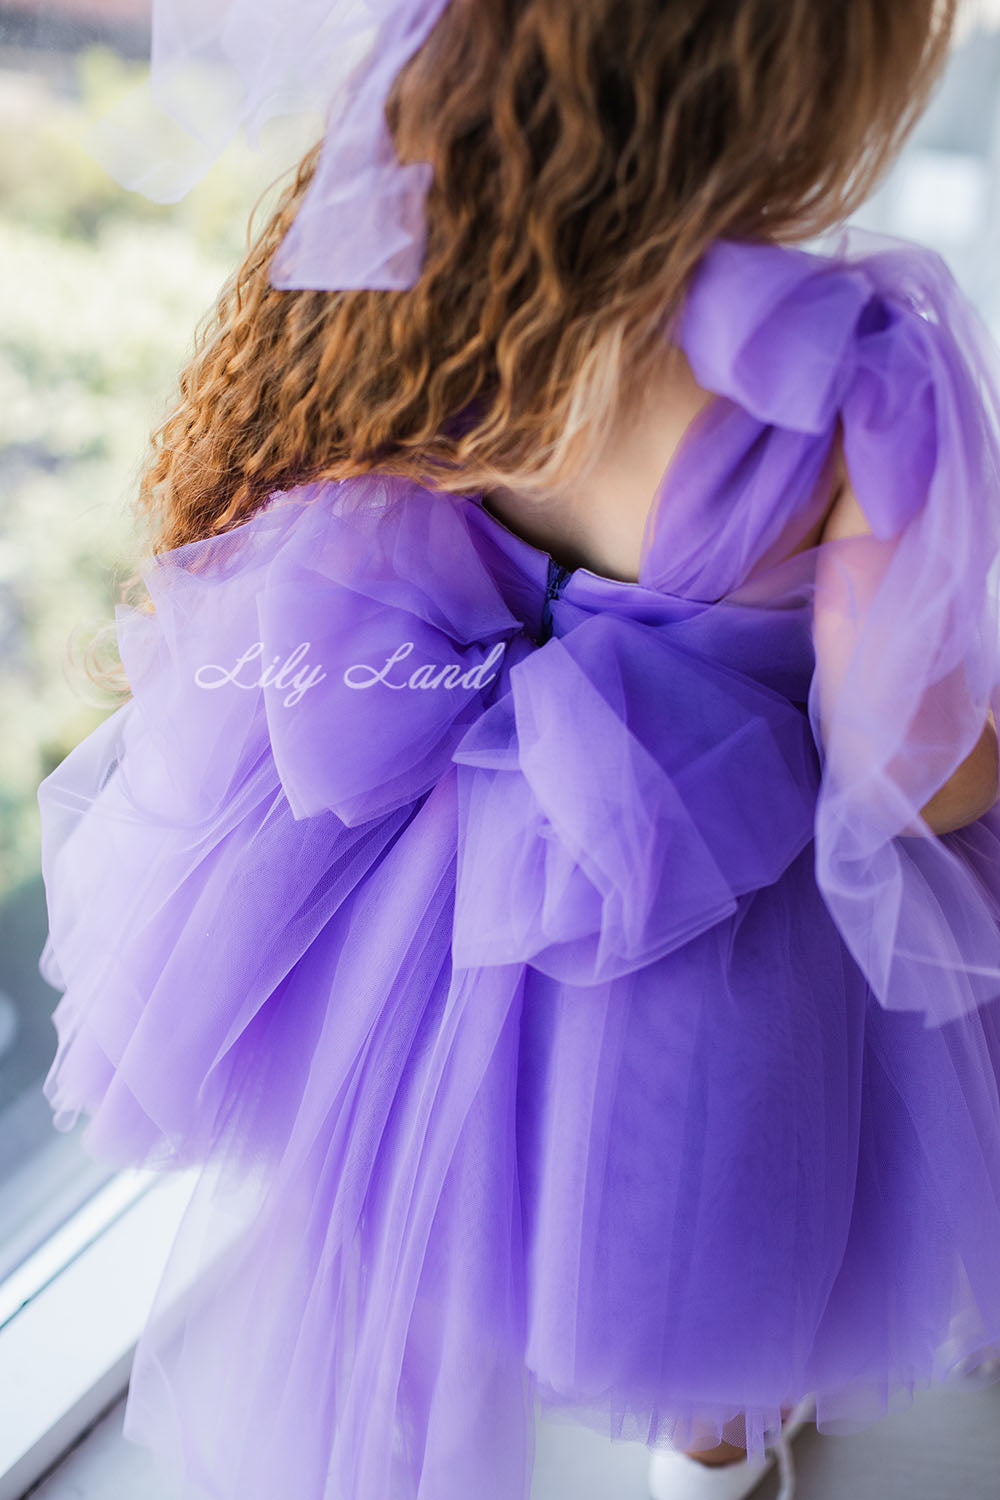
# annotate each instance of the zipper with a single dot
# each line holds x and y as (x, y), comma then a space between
(554, 583)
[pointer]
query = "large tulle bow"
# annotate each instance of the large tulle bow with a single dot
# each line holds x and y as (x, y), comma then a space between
(619, 787)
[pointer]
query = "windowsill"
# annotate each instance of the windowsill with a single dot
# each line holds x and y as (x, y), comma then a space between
(75, 1311)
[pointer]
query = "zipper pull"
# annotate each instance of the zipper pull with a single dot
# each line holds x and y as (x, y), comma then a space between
(557, 576)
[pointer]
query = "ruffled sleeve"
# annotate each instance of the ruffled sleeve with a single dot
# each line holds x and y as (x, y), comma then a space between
(907, 642)
(296, 692)
(869, 337)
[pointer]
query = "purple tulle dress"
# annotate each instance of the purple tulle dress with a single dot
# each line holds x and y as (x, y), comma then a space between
(559, 1024)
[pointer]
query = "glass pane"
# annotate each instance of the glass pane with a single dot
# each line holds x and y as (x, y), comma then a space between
(100, 293)
(945, 188)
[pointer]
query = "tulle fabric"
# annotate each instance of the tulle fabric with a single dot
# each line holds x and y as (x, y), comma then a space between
(561, 1023)
(884, 344)
(218, 67)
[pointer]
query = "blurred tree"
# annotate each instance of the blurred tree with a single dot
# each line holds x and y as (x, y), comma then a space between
(100, 293)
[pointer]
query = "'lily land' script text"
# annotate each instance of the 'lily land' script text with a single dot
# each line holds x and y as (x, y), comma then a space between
(431, 675)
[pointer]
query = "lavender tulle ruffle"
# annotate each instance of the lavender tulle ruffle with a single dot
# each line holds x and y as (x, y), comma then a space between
(561, 1020)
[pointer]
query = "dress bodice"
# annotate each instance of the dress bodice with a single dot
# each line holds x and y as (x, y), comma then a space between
(784, 337)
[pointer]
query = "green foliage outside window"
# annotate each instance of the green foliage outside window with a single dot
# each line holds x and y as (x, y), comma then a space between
(100, 292)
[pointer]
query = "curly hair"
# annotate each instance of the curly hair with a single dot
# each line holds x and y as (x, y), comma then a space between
(584, 156)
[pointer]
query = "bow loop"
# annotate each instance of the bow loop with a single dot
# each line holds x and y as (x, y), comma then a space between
(352, 630)
(618, 801)
(788, 297)
(373, 724)
(382, 589)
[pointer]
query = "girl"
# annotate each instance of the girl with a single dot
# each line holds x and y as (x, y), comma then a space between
(546, 869)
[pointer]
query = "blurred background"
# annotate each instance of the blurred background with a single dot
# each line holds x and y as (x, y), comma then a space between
(100, 293)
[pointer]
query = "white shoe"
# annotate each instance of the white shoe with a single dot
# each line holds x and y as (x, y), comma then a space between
(982, 1366)
(675, 1476)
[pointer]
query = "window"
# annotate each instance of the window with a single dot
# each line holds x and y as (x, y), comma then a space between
(100, 293)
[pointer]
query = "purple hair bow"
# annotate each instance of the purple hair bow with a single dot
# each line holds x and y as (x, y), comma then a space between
(221, 65)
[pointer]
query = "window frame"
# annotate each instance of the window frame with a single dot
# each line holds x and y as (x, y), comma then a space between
(72, 1313)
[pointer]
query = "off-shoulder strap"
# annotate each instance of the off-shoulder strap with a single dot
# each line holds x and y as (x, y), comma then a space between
(785, 339)
(873, 332)
(773, 327)
(906, 623)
